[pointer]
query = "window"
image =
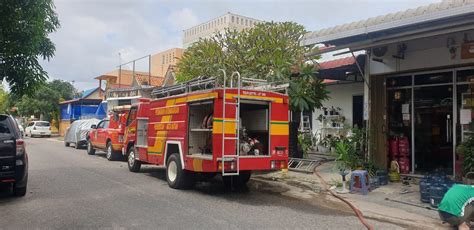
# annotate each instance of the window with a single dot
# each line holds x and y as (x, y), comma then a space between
(246, 22)
(242, 21)
(163, 60)
(132, 116)
(232, 19)
(101, 125)
(42, 124)
(225, 19)
(4, 128)
(106, 124)
(237, 20)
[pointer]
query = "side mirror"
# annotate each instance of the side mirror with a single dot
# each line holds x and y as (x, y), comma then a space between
(93, 126)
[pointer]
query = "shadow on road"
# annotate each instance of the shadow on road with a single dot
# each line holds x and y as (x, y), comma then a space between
(255, 193)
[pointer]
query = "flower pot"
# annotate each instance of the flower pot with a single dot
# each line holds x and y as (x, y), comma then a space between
(322, 149)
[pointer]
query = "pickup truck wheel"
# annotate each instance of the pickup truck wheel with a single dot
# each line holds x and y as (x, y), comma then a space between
(177, 177)
(19, 191)
(110, 154)
(90, 148)
(133, 164)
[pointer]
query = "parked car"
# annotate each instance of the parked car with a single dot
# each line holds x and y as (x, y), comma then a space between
(13, 157)
(38, 128)
(78, 131)
(108, 136)
(22, 130)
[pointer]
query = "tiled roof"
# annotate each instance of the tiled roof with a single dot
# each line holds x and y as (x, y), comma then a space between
(142, 79)
(435, 11)
(337, 63)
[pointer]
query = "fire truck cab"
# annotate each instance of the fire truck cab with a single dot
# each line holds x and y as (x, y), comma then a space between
(227, 131)
(107, 135)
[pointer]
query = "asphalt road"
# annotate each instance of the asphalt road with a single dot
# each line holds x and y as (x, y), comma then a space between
(69, 189)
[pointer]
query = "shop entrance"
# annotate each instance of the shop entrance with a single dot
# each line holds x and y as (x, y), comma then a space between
(422, 110)
(433, 128)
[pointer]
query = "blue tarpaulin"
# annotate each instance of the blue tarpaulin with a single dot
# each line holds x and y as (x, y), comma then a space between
(83, 108)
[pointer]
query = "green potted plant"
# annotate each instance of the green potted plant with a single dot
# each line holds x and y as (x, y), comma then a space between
(305, 143)
(466, 151)
(345, 161)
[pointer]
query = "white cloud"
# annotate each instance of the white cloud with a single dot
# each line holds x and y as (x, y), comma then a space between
(183, 19)
(93, 32)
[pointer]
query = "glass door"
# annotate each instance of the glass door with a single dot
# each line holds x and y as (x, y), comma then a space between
(465, 115)
(433, 126)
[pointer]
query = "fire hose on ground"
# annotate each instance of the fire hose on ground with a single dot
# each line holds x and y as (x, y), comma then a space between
(356, 210)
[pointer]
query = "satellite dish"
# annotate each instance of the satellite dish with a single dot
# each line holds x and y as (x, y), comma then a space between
(379, 51)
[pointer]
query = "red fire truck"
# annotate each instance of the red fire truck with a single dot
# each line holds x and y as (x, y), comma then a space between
(108, 134)
(208, 131)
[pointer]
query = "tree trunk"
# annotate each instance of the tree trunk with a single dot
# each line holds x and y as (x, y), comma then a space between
(294, 126)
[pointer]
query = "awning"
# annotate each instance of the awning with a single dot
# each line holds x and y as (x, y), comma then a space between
(342, 69)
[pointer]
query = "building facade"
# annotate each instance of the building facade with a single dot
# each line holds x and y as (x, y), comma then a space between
(419, 81)
(161, 62)
(217, 25)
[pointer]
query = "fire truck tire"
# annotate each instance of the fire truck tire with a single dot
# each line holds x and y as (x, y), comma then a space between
(90, 148)
(177, 177)
(110, 154)
(133, 164)
(237, 181)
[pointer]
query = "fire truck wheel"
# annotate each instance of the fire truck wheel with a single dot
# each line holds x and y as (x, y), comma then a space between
(110, 153)
(90, 148)
(237, 181)
(133, 164)
(177, 177)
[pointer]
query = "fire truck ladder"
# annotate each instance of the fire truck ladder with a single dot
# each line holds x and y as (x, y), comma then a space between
(199, 83)
(235, 156)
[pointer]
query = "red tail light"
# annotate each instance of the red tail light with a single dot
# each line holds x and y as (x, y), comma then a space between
(20, 147)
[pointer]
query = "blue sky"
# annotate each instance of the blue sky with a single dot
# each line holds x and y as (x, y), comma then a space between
(93, 32)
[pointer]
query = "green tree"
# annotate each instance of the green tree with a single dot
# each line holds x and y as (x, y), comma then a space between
(45, 101)
(271, 51)
(65, 89)
(25, 25)
(3, 100)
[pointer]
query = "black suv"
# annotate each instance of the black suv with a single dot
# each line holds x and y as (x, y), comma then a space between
(13, 157)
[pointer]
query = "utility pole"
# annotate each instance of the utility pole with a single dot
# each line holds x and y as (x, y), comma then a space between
(120, 69)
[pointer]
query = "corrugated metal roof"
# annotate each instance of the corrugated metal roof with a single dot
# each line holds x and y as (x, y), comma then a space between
(435, 11)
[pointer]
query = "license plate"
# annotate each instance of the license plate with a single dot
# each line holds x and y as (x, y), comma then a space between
(42, 132)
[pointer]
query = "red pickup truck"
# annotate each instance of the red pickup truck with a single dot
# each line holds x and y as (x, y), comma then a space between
(108, 136)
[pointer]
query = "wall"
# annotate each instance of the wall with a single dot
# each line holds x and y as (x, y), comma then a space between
(340, 96)
(96, 95)
(423, 54)
(162, 60)
(213, 26)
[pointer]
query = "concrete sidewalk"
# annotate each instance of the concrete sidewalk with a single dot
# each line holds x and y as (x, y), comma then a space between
(373, 206)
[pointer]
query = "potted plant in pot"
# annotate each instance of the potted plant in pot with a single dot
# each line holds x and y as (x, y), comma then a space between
(346, 160)
(305, 143)
(466, 151)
